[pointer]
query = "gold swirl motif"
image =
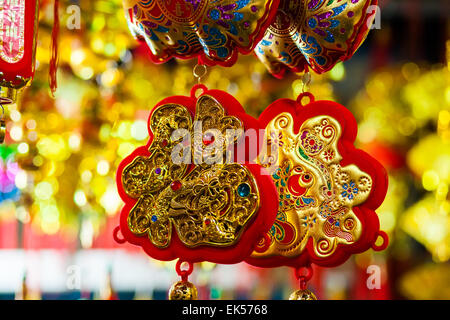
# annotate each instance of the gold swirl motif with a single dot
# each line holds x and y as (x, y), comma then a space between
(210, 205)
(328, 132)
(324, 247)
(316, 193)
(282, 122)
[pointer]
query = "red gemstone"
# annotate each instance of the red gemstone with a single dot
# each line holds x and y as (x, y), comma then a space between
(208, 138)
(207, 222)
(164, 143)
(175, 185)
(311, 142)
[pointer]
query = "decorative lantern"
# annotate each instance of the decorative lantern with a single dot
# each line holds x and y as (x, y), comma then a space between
(18, 30)
(214, 31)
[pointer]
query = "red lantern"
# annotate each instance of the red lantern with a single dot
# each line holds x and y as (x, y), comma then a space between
(18, 31)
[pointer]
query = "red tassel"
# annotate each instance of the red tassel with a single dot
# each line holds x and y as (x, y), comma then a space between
(54, 59)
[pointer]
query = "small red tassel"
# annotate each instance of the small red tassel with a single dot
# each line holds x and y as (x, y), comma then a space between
(54, 59)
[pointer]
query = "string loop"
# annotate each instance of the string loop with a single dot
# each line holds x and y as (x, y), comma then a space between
(2, 125)
(304, 274)
(306, 79)
(184, 274)
(116, 236)
(383, 245)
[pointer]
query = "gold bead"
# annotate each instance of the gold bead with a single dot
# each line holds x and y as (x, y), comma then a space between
(302, 295)
(183, 290)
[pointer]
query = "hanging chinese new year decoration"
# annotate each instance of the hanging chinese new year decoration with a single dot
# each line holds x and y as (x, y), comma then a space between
(185, 196)
(18, 31)
(316, 206)
(328, 190)
(213, 31)
(314, 34)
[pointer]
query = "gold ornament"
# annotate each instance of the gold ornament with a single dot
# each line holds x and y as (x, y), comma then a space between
(212, 204)
(183, 290)
(185, 29)
(302, 295)
(317, 194)
(317, 36)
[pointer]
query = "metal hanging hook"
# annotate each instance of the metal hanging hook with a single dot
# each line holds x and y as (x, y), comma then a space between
(199, 72)
(306, 79)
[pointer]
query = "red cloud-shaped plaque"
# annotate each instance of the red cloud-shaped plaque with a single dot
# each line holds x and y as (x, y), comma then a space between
(183, 199)
(328, 189)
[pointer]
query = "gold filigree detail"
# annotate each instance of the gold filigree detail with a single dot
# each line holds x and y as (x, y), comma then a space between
(210, 204)
(148, 175)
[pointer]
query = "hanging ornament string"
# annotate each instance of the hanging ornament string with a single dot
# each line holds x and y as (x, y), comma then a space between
(306, 79)
(303, 275)
(184, 273)
(2, 125)
(54, 47)
(183, 290)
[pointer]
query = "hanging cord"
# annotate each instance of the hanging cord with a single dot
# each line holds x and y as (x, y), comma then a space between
(2, 125)
(54, 48)
(303, 275)
(184, 274)
(306, 79)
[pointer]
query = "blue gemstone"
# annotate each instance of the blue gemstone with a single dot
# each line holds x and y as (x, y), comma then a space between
(312, 23)
(214, 14)
(243, 190)
(158, 170)
(154, 218)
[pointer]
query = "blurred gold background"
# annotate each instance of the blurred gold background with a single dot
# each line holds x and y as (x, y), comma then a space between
(57, 180)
